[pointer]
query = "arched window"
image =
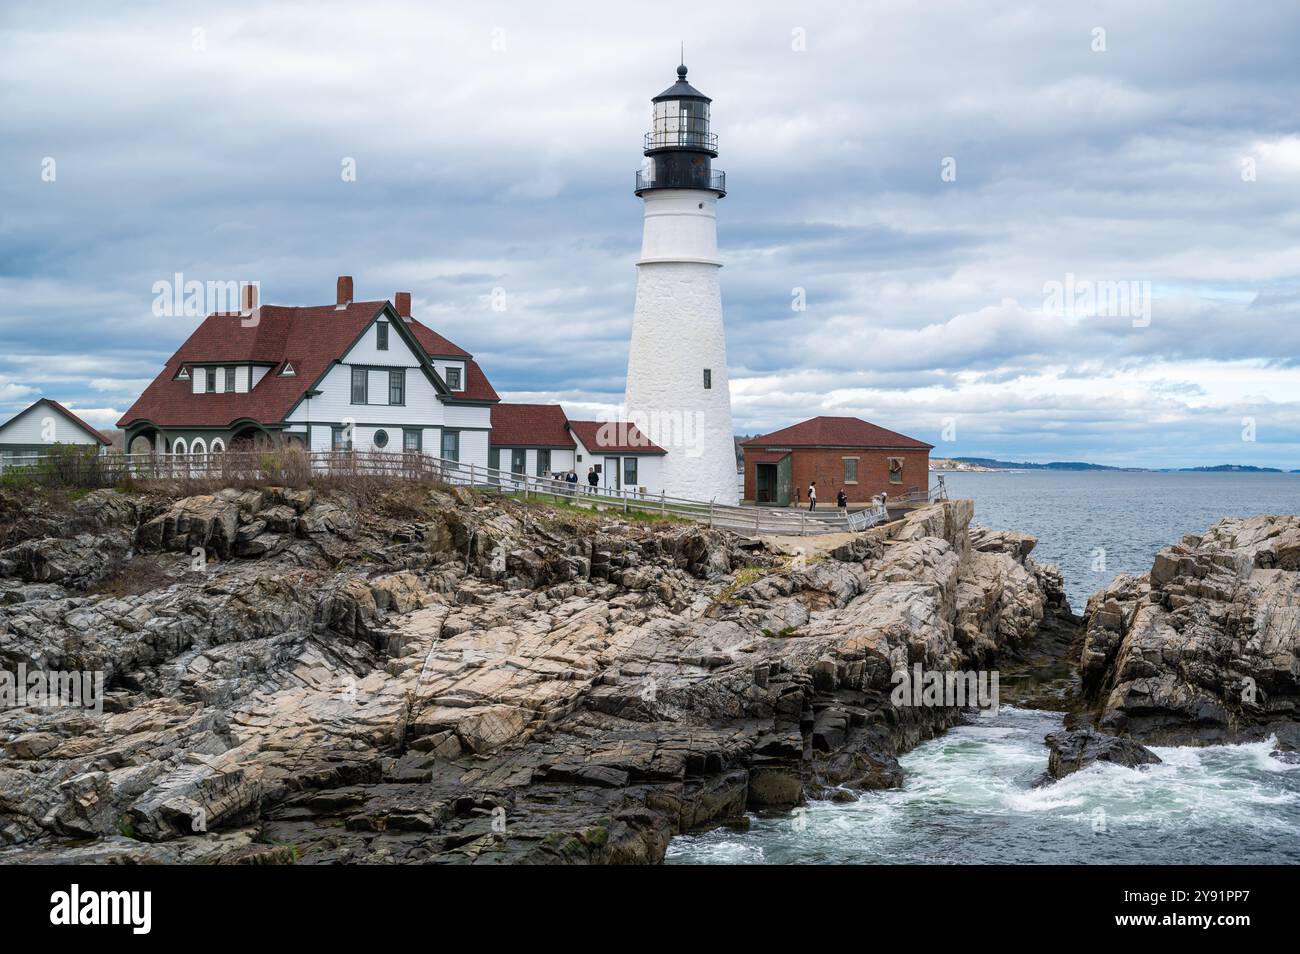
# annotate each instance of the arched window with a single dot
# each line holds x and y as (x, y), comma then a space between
(178, 447)
(198, 446)
(218, 445)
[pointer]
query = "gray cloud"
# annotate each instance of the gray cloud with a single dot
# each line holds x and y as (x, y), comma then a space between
(480, 168)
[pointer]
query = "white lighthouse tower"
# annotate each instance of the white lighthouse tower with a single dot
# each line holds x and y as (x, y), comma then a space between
(677, 381)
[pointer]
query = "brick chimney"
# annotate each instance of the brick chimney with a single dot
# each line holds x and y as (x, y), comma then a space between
(344, 296)
(248, 298)
(402, 301)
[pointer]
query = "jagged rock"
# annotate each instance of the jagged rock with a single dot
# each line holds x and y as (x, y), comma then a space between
(206, 521)
(81, 561)
(1204, 647)
(478, 681)
(1071, 751)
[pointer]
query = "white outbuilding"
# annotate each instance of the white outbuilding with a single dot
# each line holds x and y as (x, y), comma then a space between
(35, 430)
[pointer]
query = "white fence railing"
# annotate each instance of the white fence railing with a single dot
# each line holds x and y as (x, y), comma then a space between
(297, 466)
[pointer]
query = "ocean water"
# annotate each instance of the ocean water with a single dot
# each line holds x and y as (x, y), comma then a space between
(969, 798)
(1095, 525)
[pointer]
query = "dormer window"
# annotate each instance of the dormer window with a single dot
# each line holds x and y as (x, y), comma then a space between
(453, 379)
(381, 331)
(230, 380)
(210, 384)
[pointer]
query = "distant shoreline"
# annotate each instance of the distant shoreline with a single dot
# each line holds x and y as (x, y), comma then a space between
(983, 465)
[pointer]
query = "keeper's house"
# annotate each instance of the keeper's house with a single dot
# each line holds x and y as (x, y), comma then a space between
(360, 375)
(35, 430)
(862, 458)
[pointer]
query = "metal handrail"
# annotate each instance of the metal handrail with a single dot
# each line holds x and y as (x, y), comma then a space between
(682, 139)
(646, 180)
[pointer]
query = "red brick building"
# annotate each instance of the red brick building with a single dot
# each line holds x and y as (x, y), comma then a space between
(836, 452)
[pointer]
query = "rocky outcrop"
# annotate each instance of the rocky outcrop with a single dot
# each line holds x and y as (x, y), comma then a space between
(1071, 751)
(462, 678)
(1204, 647)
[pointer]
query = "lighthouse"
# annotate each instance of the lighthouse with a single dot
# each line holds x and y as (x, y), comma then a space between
(677, 381)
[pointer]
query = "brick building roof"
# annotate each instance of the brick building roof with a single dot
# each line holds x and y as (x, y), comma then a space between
(837, 432)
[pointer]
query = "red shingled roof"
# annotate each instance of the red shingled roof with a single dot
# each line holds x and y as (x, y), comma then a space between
(435, 344)
(837, 432)
(613, 437)
(477, 387)
(765, 456)
(310, 338)
(56, 406)
(530, 425)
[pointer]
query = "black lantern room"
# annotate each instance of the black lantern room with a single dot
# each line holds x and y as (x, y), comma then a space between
(679, 146)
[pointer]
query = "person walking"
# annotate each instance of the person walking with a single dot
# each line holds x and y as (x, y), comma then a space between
(571, 478)
(812, 495)
(593, 478)
(842, 502)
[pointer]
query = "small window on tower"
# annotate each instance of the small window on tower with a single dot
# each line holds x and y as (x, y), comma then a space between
(708, 378)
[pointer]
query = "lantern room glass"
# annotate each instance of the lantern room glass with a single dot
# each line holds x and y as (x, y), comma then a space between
(681, 122)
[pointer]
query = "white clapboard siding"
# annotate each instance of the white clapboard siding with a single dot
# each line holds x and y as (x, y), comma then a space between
(468, 415)
(474, 448)
(366, 350)
(41, 424)
(334, 404)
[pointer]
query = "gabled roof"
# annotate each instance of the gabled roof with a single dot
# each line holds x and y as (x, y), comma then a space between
(530, 425)
(60, 409)
(310, 338)
(477, 386)
(613, 437)
(837, 432)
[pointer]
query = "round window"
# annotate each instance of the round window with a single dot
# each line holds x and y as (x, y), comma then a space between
(381, 438)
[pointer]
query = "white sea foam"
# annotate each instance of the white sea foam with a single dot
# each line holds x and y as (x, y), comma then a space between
(970, 796)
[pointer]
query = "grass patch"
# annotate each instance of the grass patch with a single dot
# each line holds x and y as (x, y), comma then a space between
(569, 505)
(785, 632)
(745, 576)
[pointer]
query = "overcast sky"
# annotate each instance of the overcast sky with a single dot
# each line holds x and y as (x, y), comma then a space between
(922, 171)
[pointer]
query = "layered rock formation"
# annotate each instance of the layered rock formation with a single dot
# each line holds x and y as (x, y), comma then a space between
(1206, 646)
(301, 677)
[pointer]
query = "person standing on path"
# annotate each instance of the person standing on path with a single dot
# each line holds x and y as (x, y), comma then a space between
(842, 502)
(812, 495)
(593, 478)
